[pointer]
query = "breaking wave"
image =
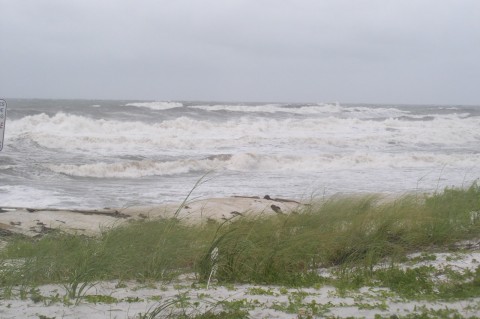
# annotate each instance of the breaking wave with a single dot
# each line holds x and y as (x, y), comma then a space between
(76, 152)
(248, 162)
(185, 135)
(318, 109)
(158, 106)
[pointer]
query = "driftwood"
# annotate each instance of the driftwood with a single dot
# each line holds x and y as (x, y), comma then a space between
(281, 200)
(252, 197)
(113, 213)
(267, 197)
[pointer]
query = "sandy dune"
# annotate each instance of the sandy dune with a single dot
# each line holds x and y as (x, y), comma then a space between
(37, 221)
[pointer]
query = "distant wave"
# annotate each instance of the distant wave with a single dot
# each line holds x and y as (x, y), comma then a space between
(265, 108)
(314, 109)
(159, 106)
(318, 109)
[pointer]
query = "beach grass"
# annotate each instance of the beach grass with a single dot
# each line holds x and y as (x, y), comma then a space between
(350, 233)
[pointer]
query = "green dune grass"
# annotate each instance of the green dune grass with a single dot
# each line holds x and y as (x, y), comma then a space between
(287, 249)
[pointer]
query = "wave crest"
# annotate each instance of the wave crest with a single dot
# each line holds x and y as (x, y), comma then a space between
(158, 106)
(250, 162)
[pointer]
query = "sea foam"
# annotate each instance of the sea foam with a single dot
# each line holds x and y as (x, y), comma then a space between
(185, 135)
(249, 162)
(159, 106)
(74, 154)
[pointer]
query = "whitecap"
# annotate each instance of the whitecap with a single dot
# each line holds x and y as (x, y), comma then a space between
(251, 162)
(185, 136)
(158, 105)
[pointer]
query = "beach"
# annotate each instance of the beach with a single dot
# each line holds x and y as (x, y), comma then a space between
(38, 221)
(133, 299)
(186, 295)
(240, 159)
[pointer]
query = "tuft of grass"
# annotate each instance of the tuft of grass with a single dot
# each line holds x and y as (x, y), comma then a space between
(101, 299)
(347, 232)
(144, 250)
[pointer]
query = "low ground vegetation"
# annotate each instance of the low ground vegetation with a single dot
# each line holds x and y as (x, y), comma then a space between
(363, 241)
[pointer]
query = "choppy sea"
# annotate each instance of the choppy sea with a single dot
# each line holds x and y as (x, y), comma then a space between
(93, 154)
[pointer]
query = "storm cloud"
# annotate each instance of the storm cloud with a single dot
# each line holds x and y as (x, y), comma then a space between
(372, 51)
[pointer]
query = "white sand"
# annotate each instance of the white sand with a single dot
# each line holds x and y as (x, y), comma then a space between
(131, 299)
(92, 222)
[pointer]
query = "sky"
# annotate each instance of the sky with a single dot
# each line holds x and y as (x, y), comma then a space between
(352, 51)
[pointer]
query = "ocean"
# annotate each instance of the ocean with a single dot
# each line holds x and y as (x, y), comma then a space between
(102, 153)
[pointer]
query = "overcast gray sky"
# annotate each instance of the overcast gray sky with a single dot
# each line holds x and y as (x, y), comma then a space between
(373, 51)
